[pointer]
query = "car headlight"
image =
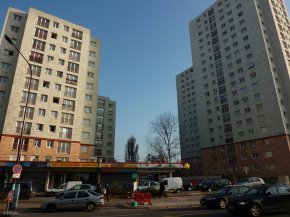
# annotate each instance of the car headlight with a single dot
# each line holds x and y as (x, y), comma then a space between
(242, 203)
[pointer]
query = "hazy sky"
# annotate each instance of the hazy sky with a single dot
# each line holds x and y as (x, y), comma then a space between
(144, 45)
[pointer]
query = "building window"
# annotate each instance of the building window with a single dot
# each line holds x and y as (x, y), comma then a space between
(36, 57)
(39, 127)
(46, 84)
(84, 148)
(5, 66)
(91, 74)
(17, 17)
(43, 98)
(53, 35)
(63, 147)
(59, 74)
(37, 143)
(41, 21)
(61, 62)
(51, 128)
(75, 56)
(50, 58)
(52, 47)
(58, 87)
(49, 144)
(87, 122)
(67, 118)
(85, 135)
(55, 100)
(34, 158)
(73, 67)
(70, 91)
(64, 39)
(54, 114)
(40, 33)
(76, 45)
(77, 34)
(65, 133)
(24, 145)
(88, 109)
(65, 28)
(31, 98)
(14, 29)
(89, 86)
(89, 97)
(56, 24)
(63, 50)
(8, 52)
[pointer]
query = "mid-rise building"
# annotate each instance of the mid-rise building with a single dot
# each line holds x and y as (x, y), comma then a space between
(105, 129)
(61, 112)
(234, 103)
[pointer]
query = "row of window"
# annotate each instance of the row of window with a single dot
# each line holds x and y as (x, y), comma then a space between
(62, 147)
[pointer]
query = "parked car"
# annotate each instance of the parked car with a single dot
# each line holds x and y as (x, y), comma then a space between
(76, 199)
(219, 198)
(214, 184)
(187, 185)
(261, 199)
(77, 187)
(251, 181)
(146, 185)
(201, 183)
(173, 184)
(27, 189)
(62, 187)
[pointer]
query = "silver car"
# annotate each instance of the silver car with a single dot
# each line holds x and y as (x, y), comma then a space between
(77, 187)
(76, 199)
(251, 181)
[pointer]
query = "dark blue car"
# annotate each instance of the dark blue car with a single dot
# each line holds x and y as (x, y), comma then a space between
(219, 198)
(261, 199)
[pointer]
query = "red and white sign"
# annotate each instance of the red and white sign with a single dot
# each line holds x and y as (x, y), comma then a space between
(10, 196)
(17, 169)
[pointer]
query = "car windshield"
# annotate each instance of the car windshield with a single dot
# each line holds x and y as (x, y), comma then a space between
(223, 190)
(255, 191)
(63, 186)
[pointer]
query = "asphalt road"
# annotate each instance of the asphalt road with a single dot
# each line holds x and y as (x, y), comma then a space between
(177, 212)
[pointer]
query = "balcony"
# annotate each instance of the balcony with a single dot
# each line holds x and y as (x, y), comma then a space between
(68, 107)
(72, 82)
(65, 135)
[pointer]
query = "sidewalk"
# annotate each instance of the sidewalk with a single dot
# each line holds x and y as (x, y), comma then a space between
(172, 201)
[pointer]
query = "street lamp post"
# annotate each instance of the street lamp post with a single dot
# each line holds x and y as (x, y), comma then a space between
(20, 140)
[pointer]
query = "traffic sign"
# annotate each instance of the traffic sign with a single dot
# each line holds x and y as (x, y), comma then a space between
(10, 196)
(16, 176)
(17, 169)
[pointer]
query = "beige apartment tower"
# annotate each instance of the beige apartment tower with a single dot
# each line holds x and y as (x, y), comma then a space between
(234, 102)
(61, 114)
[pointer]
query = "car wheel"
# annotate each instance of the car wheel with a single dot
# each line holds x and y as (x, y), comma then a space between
(222, 204)
(178, 191)
(50, 208)
(255, 210)
(190, 189)
(90, 207)
(209, 189)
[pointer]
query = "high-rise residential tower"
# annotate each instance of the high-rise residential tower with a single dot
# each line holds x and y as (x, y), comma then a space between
(61, 116)
(234, 103)
(105, 129)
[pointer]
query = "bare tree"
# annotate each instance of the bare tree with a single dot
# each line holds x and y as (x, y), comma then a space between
(164, 137)
(131, 150)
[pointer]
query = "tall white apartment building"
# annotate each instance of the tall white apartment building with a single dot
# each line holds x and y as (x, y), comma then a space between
(61, 116)
(105, 129)
(234, 103)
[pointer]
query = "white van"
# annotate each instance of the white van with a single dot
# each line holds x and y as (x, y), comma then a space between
(173, 184)
(64, 186)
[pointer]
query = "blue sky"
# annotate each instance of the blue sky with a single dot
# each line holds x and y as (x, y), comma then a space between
(145, 44)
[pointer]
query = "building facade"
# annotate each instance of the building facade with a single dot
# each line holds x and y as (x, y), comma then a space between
(234, 102)
(61, 112)
(105, 129)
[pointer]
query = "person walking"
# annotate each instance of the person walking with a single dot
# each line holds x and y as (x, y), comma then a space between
(107, 191)
(162, 190)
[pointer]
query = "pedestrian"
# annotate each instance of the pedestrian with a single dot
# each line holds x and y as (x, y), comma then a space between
(107, 191)
(162, 190)
(99, 188)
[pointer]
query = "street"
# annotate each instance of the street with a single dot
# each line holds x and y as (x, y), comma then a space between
(180, 212)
